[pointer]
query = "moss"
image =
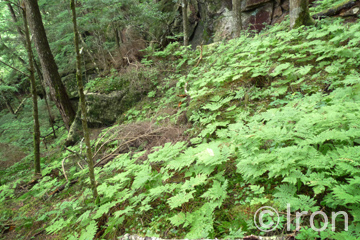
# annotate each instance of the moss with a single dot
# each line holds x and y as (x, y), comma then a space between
(206, 34)
(304, 17)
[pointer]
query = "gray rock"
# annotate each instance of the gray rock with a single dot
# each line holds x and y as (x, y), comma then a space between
(104, 109)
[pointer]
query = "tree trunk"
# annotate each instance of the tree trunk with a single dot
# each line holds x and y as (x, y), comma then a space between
(299, 13)
(82, 103)
(184, 6)
(117, 37)
(49, 67)
(46, 96)
(34, 98)
(23, 39)
(14, 18)
(236, 8)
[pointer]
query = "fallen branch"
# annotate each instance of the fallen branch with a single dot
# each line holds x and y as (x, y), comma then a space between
(20, 105)
(62, 187)
(334, 10)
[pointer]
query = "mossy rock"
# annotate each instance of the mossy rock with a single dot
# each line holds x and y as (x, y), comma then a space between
(104, 109)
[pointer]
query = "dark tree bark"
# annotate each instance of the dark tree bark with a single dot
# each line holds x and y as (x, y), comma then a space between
(184, 6)
(48, 64)
(34, 98)
(82, 103)
(299, 13)
(236, 7)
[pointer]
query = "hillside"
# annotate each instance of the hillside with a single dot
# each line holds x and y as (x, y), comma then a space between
(269, 119)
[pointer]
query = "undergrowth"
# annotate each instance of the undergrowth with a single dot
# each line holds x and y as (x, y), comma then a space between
(274, 121)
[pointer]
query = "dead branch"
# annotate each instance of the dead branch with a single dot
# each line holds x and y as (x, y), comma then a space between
(130, 63)
(80, 166)
(63, 168)
(20, 105)
(127, 141)
(62, 187)
(18, 70)
(334, 10)
(76, 153)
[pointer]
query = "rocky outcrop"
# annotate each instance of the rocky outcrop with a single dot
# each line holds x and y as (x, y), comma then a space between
(102, 110)
(212, 21)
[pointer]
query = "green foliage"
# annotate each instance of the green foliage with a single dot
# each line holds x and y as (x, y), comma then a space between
(137, 80)
(309, 143)
(274, 120)
(17, 130)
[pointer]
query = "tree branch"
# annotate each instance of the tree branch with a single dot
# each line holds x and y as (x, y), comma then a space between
(27, 75)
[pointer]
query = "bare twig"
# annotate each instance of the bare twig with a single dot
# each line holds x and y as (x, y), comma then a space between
(76, 153)
(201, 55)
(80, 166)
(110, 139)
(114, 152)
(20, 105)
(63, 168)
(130, 63)
(14, 68)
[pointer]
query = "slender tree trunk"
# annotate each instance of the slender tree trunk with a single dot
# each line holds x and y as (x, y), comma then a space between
(48, 64)
(89, 53)
(184, 6)
(14, 18)
(117, 38)
(82, 103)
(236, 7)
(299, 13)
(43, 87)
(38, 71)
(34, 98)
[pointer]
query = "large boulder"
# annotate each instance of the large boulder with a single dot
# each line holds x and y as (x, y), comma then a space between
(224, 26)
(104, 109)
